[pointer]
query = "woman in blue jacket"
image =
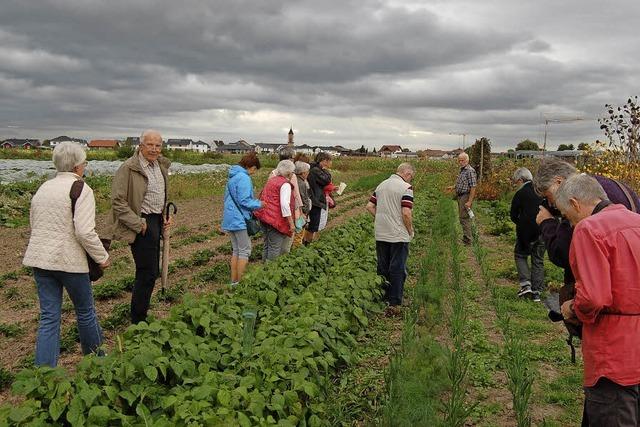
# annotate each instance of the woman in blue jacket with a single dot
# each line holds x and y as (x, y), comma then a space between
(239, 203)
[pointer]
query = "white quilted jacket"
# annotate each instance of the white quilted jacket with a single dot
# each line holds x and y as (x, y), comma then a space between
(58, 241)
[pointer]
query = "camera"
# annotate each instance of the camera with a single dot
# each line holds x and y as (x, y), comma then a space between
(552, 209)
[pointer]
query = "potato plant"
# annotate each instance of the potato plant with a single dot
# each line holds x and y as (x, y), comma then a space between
(190, 369)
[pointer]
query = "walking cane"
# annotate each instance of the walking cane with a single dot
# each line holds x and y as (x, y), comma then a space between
(166, 234)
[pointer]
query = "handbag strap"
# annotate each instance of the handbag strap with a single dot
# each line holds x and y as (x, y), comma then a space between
(74, 194)
(234, 202)
(628, 195)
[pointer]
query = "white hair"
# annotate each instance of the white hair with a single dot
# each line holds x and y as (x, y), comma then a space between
(463, 156)
(285, 167)
(406, 168)
(67, 155)
(523, 174)
(581, 187)
(148, 132)
(301, 167)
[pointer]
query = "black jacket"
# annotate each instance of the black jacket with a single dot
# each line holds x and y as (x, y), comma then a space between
(318, 178)
(524, 209)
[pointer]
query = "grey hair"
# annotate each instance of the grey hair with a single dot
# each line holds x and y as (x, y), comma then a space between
(406, 167)
(286, 153)
(463, 155)
(285, 167)
(302, 167)
(581, 187)
(146, 133)
(67, 155)
(523, 174)
(548, 171)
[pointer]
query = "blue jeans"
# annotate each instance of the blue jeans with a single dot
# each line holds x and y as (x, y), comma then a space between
(78, 286)
(392, 265)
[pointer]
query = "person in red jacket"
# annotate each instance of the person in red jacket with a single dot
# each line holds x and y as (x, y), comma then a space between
(276, 215)
(605, 259)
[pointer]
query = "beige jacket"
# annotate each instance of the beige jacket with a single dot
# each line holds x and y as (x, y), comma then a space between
(58, 241)
(127, 193)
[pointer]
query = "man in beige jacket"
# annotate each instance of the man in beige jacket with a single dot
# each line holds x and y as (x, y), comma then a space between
(138, 197)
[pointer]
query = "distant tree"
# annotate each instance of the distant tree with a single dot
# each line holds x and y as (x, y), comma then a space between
(622, 127)
(565, 147)
(361, 149)
(583, 146)
(125, 150)
(374, 150)
(480, 156)
(510, 150)
(527, 144)
(46, 143)
(421, 154)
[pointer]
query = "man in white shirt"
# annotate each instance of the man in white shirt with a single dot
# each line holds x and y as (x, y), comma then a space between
(391, 205)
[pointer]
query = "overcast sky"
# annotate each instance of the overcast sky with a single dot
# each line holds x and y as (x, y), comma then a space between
(346, 72)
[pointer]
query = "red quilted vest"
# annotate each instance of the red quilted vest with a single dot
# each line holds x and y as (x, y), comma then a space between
(271, 213)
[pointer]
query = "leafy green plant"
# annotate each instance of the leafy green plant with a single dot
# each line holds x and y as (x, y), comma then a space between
(11, 330)
(6, 378)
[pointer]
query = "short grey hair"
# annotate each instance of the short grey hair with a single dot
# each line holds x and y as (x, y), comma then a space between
(301, 167)
(523, 174)
(463, 155)
(581, 187)
(286, 153)
(148, 132)
(285, 167)
(548, 171)
(406, 167)
(67, 155)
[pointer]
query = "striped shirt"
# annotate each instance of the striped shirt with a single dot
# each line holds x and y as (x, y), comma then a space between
(154, 197)
(390, 197)
(466, 180)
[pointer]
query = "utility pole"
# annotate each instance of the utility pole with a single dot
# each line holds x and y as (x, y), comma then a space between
(463, 135)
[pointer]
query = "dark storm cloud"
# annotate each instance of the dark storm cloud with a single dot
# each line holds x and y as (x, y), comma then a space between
(242, 67)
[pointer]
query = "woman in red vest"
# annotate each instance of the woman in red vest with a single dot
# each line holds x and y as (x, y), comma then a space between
(276, 215)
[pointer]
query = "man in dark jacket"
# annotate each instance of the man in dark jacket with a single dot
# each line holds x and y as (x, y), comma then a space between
(524, 208)
(555, 230)
(318, 178)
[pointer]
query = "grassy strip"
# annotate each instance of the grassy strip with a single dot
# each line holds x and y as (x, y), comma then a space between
(456, 409)
(516, 359)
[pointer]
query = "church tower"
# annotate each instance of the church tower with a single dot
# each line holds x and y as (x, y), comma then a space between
(290, 140)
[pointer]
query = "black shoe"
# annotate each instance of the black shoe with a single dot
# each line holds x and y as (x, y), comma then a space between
(525, 291)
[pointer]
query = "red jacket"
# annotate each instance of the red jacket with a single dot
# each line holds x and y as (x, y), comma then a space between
(271, 213)
(605, 257)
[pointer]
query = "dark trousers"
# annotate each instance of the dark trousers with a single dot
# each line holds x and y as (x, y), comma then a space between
(533, 276)
(392, 265)
(146, 254)
(610, 404)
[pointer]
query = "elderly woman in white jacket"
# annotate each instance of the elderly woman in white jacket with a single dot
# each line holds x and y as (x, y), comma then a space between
(56, 251)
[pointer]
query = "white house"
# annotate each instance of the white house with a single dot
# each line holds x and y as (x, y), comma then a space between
(268, 148)
(55, 141)
(187, 145)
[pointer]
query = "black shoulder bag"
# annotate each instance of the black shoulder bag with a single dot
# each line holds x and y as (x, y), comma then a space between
(95, 271)
(253, 225)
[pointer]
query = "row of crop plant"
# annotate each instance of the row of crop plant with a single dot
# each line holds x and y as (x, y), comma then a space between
(207, 363)
(427, 379)
(516, 359)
